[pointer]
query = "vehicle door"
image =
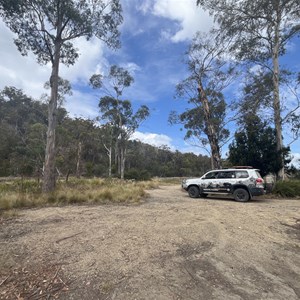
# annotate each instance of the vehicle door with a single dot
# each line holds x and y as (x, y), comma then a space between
(225, 181)
(209, 182)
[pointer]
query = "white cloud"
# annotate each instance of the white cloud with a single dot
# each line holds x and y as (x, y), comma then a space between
(22, 72)
(187, 18)
(145, 6)
(190, 17)
(131, 67)
(90, 61)
(82, 105)
(296, 160)
(153, 139)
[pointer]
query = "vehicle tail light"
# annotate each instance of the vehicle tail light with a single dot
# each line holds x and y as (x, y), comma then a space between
(259, 181)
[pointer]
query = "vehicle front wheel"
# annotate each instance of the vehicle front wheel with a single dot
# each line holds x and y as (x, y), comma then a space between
(193, 192)
(241, 195)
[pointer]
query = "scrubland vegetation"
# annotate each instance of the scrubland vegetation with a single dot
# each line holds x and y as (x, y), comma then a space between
(26, 193)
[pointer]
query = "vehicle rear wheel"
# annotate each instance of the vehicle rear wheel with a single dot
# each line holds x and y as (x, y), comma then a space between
(241, 195)
(193, 192)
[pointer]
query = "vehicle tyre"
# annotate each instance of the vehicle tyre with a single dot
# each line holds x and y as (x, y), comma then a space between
(193, 192)
(241, 195)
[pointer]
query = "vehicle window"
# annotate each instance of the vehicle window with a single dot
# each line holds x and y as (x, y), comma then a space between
(211, 175)
(226, 175)
(258, 175)
(241, 174)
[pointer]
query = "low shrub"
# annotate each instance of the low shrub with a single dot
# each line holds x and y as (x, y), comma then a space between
(287, 188)
(137, 174)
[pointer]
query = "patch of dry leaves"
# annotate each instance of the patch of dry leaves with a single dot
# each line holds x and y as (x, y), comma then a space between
(34, 283)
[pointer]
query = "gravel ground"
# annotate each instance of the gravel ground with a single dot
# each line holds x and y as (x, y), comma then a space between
(169, 247)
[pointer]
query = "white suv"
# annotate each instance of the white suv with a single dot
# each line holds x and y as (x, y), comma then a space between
(242, 182)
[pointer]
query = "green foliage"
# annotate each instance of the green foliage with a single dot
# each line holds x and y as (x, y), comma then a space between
(137, 174)
(162, 162)
(116, 112)
(120, 120)
(288, 188)
(23, 126)
(255, 146)
(253, 25)
(257, 98)
(294, 172)
(257, 93)
(67, 20)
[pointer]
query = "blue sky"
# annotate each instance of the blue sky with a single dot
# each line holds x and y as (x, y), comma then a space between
(155, 34)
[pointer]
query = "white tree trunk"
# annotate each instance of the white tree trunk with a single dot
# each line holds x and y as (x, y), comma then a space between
(78, 164)
(109, 154)
(49, 171)
(276, 100)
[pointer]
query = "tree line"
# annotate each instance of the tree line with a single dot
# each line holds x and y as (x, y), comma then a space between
(82, 146)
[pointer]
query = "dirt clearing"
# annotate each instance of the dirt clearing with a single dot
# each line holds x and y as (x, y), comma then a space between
(170, 247)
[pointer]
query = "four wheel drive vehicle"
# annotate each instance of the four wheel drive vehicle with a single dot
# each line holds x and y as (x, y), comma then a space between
(242, 183)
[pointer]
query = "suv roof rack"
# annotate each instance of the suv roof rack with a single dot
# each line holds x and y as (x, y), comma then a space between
(241, 167)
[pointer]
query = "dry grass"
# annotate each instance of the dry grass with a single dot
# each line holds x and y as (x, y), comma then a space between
(168, 180)
(27, 193)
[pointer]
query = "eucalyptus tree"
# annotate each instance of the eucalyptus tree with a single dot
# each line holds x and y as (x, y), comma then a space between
(118, 115)
(261, 30)
(257, 97)
(48, 28)
(109, 138)
(210, 72)
(63, 88)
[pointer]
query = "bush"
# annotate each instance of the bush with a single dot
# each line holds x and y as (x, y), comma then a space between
(290, 188)
(137, 174)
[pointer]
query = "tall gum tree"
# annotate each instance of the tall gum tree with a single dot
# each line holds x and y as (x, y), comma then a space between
(117, 113)
(261, 30)
(210, 72)
(48, 28)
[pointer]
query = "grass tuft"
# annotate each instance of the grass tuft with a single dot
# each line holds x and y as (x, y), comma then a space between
(287, 188)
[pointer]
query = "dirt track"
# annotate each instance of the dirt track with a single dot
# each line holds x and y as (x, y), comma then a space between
(170, 247)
